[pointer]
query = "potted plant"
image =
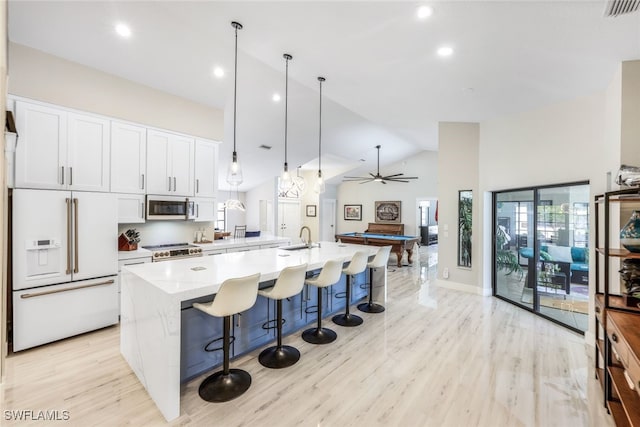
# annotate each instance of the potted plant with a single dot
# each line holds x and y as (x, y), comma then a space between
(505, 259)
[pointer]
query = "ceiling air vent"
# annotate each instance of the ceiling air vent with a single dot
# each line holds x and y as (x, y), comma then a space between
(620, 7)
(265, 147)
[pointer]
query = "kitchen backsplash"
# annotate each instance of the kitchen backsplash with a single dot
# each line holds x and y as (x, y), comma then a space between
(160, 232)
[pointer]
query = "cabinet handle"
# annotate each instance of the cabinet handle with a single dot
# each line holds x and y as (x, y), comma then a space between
(169, 183)
(142, 213)
(62, 174)
(142, 182)
(174, 183)
(70, 176)
(614, 337)
(197, 185)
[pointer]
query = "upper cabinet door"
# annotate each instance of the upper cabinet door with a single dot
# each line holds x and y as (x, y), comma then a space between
(181, 160)
(159, 180)
(128, 158)
(41, 150)
(206, 170)
(88, 150)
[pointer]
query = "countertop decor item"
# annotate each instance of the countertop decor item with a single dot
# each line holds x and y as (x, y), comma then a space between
(630, 233)
(630, 275)
(628, 175)
(128, 241)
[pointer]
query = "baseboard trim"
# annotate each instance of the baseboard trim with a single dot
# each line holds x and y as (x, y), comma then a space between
(464, 287)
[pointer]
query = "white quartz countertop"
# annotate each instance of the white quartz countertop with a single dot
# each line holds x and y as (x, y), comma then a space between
(195, 277)
(246, 241)
(139, 253)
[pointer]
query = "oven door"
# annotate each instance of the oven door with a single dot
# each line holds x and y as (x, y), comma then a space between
(170, 208)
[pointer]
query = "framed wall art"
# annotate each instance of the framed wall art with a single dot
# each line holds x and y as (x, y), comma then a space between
(465, 209)
(311, 210)
(353, 212)
(388, 212)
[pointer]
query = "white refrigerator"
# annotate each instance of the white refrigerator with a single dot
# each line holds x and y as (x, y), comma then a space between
(65, 264)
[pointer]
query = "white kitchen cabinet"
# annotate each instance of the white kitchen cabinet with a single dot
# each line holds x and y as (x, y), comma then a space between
(206, 168)
(128, 158)
(58, 149)
(41, 151)
(206, 209)
(131, 208)
(88, 147)
(170, 164)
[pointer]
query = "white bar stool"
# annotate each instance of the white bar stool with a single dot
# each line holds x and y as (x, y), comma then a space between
(357, 265)
(234, 296)
(329, 275)
(290, 282)
(379, 261)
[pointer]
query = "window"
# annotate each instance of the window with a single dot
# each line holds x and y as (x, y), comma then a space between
(221, 219)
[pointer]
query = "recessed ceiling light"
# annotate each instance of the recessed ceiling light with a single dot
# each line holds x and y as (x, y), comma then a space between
(445, 51)
(218, 72)
(123, 30)
(276, 97)
(424, 12)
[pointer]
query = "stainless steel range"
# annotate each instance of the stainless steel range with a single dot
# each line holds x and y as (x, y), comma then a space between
(173, 251)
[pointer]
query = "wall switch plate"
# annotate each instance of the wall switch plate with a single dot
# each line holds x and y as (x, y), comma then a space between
(445, 273)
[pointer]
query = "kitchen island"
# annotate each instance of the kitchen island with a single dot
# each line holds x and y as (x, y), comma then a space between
(154, 296)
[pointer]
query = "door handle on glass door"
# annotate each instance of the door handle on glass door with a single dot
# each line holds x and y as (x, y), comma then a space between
(76, 249)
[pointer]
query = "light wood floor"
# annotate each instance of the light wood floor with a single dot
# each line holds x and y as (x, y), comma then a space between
(436, 357)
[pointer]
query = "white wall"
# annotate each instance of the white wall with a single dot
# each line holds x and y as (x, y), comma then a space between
(423, 165)
(458, 145)
(43, 77)
(630, 114)
(265, 191)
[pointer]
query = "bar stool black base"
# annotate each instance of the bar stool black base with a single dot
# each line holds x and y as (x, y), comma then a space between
(279, 357)
(370, 307)
(319, 336)
(347, 320)
(223, 388)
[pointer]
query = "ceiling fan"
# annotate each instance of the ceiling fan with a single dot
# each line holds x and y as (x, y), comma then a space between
(397, 177)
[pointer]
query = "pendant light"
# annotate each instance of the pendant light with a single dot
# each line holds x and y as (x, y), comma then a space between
(286, 182)
(234, 174)
(319, 186)
(299, 183)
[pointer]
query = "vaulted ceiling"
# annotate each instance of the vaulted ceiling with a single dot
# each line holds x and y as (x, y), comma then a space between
(385, 85)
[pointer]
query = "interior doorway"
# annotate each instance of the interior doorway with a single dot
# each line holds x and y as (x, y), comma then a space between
(427, 220)
(328, 220)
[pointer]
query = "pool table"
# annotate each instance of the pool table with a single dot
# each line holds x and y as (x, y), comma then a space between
(398, 244)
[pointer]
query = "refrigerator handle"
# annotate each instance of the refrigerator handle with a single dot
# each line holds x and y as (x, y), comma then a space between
(68, 202)
(76, 250)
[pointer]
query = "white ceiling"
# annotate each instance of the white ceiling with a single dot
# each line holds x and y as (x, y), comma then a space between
(385, 84)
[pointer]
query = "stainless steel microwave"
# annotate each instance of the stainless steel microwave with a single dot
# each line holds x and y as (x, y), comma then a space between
(170, 208)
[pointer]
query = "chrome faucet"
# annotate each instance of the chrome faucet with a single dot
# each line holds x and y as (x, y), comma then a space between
(306, 242)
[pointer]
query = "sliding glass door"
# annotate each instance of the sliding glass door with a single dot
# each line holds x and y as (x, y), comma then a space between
(541, 251)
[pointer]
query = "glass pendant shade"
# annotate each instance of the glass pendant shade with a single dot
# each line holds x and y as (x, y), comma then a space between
(319, 186)
(285, 183)
(234, 174)
(299, 184)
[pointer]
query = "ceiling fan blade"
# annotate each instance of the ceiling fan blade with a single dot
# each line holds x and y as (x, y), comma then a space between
(384, 182)
(355, 178)
(394, 175)
(372, 175)
(367, 181)
(391, 178)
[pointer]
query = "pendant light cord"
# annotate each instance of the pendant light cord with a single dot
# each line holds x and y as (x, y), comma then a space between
(320, 79)
(237, 26)
(286, 108)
